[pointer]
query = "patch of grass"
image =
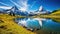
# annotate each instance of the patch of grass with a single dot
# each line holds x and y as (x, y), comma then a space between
(56, 12)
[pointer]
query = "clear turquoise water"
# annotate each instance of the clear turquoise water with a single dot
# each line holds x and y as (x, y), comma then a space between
(48, 24)
(33, 23)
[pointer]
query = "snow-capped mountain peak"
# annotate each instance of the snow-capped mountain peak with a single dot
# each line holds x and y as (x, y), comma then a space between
(14, 8)
(40, 8)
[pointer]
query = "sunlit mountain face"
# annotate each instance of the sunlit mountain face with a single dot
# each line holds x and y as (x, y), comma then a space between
(30, 5)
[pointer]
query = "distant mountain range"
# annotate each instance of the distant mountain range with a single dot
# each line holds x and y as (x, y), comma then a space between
(41, 10)
(15, 10)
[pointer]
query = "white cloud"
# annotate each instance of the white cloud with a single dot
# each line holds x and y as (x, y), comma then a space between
(24, 5)
(5, 7)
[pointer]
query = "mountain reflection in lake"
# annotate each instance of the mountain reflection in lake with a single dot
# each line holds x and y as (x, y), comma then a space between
(38, 23)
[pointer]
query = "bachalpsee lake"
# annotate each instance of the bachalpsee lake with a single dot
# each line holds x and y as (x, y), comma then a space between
(38, 23)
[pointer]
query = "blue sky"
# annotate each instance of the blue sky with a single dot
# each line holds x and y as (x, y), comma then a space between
(32, 5)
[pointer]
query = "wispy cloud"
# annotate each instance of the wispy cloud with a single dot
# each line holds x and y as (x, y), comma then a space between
(14, 3)
(33, 4)
(4, 4)
(5, 7)
(21, 4)
(24, 5)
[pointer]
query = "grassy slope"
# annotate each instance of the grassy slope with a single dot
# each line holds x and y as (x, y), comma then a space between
(8, 26)
(57, 12)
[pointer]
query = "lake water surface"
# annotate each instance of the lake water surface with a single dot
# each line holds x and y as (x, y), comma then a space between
(44, 24)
